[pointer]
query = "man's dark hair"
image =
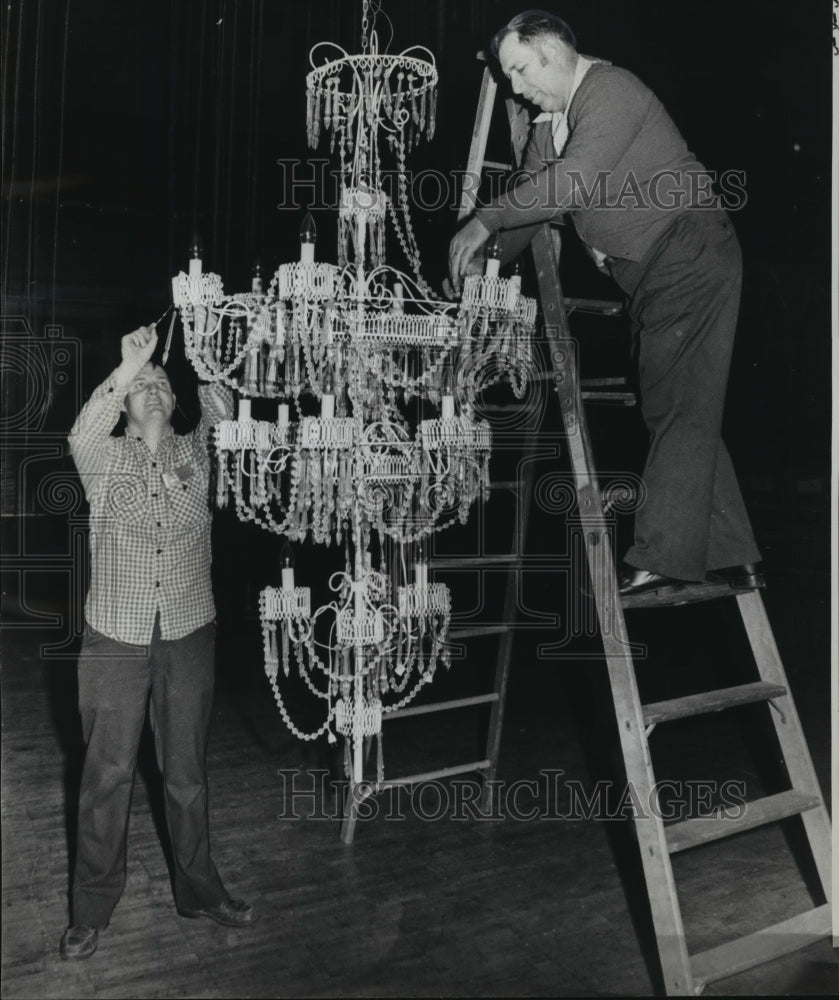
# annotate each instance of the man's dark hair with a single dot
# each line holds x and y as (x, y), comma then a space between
(531, 25)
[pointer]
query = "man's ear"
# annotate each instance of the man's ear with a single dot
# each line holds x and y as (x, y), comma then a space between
(552, 49)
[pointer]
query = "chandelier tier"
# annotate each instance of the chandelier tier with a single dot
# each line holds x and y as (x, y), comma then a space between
(375, 446)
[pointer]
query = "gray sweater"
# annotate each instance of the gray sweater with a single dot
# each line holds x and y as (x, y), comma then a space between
(626, 171)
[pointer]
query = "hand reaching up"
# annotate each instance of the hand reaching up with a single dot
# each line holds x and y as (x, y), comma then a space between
(137, 348)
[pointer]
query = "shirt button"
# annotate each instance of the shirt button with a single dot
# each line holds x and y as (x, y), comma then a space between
(157, 584)
(158, 524)
(159, 551)
(154, 465)
(154, 495)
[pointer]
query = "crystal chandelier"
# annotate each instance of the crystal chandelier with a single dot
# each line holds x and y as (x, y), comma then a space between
(375, 446)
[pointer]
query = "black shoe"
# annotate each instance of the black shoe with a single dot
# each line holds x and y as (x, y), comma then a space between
(229, 912)
(79, 941)
(749, 576)
(632, 581)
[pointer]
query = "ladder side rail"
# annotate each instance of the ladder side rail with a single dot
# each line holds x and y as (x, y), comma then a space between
(511, 602)
(658, 870)
(655, 855)
(477, 148)
(799, 763)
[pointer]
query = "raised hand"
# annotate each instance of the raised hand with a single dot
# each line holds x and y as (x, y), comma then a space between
(137, 348)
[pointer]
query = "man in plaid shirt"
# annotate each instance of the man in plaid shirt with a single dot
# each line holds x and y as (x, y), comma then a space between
(149, 637)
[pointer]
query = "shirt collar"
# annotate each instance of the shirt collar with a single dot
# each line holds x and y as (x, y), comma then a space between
(583, 66)
(166, 438)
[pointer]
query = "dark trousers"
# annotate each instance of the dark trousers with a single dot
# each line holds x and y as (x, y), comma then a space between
(684, 302)
(116, 682)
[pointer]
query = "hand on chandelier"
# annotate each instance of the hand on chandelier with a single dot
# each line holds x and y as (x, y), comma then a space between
(462, 250)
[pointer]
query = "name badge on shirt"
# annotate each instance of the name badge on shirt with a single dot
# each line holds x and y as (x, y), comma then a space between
(173, 477)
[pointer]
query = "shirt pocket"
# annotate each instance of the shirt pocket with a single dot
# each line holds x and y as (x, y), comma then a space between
(189, 499)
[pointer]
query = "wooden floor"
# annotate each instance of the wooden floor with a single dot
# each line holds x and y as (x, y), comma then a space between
(416, 906)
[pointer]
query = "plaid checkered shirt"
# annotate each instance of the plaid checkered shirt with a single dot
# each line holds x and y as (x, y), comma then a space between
(149, 519)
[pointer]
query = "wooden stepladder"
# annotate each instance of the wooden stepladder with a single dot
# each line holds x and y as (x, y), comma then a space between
(683, 973)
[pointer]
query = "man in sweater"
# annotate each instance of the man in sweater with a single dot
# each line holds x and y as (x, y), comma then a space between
(149, 637)
(605, 152)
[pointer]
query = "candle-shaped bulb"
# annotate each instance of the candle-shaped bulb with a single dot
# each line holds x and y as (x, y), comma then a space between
(326, 321)
(287, 563)
(343, 406)
(447, 394)
(493, 261)
(308, 236)
(196, 255)
(256, 276)
(308, 229)
(327, 402)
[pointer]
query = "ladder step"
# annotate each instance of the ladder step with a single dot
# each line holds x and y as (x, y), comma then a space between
(691, 593)
(468, 633)
(711, 701)
(443, 772)
(762, 946)
(471, 562)
(600, 306)
(592, 396)
(441, 706)
(692, 832)
(496, 165)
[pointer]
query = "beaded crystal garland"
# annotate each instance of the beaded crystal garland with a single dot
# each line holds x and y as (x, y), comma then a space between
(375, 380)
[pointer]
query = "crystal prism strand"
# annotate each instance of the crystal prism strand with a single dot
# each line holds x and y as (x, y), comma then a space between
(237, 487)
(285, 649)
(315, 496)
(414, 126)
(387, 97)
(225, 351)
(253, 481)
(215, 344)
(375, 254)
(397, 101)
(412, 91)
(336, 112)
(269, 387)
(310, 115)
(221, 480)
(327, 104)
(316, 120)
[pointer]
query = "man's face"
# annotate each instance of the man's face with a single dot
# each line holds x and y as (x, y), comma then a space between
(149, 397)
(536, 72)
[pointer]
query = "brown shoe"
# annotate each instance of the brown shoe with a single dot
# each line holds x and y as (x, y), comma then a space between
(78, 941)
(229, 912)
